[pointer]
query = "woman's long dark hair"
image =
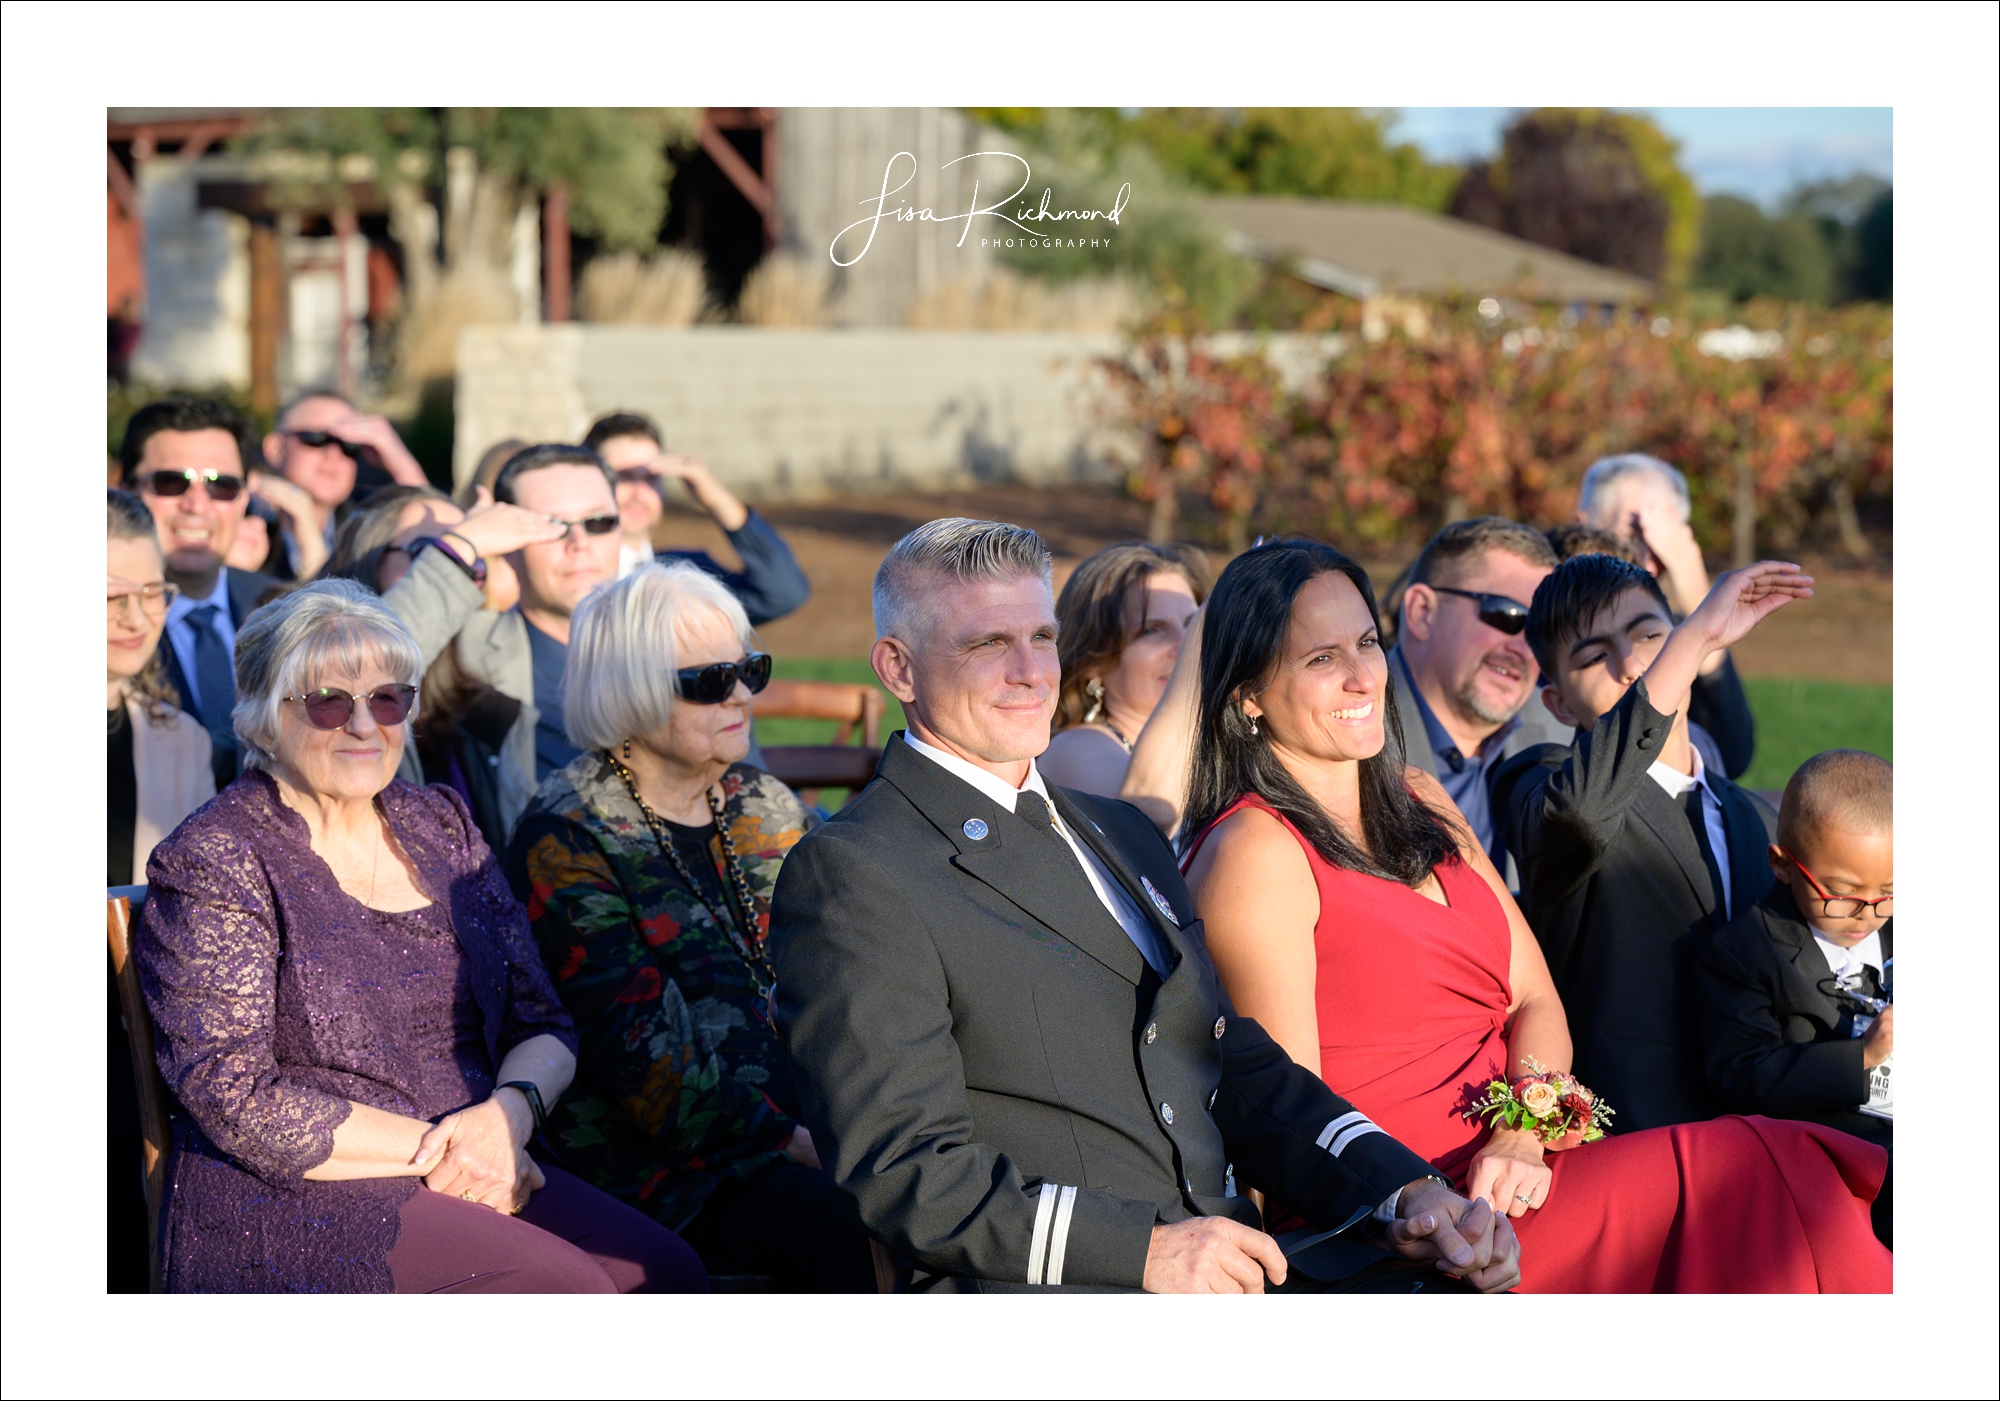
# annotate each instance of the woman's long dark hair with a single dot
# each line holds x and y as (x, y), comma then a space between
(1242, 646)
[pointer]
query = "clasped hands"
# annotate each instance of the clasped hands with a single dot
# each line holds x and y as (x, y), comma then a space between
(481, 1154)
(1214, 1255)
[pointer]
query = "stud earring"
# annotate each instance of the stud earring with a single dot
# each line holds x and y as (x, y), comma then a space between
(1094, 688)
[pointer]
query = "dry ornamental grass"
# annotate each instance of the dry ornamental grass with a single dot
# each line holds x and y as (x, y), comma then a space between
(668, 289)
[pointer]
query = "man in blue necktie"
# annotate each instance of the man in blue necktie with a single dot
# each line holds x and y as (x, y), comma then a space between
(188, 459)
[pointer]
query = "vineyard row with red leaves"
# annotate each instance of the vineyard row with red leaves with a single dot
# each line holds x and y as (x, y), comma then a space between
(1501, 415)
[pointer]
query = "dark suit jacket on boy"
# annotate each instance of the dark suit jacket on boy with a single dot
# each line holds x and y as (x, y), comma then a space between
(1776, 1038)
(990, 1068)
(1615, 889)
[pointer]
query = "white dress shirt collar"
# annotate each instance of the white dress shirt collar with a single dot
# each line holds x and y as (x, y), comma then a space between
(1117, 901)
(1676, 784)
(985, 780)
(1847, 963)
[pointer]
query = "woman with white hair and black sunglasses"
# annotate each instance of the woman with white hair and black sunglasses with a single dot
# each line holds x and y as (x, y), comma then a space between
(647, 865)
(348, 1001)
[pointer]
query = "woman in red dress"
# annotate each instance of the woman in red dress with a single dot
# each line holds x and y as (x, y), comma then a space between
(1350, 912)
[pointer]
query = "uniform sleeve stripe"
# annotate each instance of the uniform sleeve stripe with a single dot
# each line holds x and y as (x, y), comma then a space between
(1038, 1240)
(1059, 1234)
(1349, 1135)
(1327, 1134)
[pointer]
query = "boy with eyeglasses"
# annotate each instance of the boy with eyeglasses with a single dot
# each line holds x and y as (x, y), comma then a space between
(187, 458)
(1794, 1005)
(1630, 847)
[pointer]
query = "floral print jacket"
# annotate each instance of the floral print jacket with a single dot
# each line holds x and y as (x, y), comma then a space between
(680, 1079)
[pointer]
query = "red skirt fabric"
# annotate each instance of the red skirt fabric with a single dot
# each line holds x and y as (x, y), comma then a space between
(1738, 1205)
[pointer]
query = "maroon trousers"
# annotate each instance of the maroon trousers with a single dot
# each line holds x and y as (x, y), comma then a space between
(569, 1239)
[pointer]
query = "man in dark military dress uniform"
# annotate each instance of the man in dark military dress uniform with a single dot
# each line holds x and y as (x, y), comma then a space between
(1011, 1045)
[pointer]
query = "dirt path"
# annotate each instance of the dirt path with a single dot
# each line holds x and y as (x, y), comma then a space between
(1842, 634)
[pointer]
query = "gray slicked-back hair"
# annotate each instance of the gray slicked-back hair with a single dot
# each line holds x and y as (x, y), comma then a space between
(1607, 470)
(291, 642)
(961, 550)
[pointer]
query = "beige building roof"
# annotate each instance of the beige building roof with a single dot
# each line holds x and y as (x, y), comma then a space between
(1365, 249)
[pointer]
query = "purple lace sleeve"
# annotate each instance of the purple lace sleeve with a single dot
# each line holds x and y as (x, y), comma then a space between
(208, 958)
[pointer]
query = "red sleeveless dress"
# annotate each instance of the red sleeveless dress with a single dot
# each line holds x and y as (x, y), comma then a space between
(1412, 999)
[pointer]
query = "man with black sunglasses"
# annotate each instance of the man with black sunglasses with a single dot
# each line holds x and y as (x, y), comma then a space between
(188, 459)
(333, 453)
(771, 583)
(1463, 674)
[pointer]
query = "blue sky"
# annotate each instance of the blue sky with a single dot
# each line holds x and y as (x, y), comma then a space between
(1757, 152)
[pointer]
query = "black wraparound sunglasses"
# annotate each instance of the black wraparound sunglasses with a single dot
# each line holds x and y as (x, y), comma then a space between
(716, 683)
(1496, 610)
(314, 438)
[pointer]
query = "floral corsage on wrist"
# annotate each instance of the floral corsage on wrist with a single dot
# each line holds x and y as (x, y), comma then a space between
(1555, 1107)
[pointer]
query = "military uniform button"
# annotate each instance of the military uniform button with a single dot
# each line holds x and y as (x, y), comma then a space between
(1152, 1032)
(1166, 1113)
(1220, 1024)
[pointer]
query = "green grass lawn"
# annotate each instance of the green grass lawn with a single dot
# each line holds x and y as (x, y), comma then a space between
(1798, 718)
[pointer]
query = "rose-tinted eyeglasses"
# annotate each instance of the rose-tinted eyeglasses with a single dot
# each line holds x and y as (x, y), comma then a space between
(177, 481)
(1496, 610)
(154, 599)
(1843, 906)
(716, 683)
(329, 708)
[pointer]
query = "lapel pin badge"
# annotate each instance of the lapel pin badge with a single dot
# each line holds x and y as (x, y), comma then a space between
(1160, 902)
(975, 829)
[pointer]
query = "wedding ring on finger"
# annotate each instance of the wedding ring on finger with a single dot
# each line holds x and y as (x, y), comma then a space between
(1525, 1201)
(465, 1196)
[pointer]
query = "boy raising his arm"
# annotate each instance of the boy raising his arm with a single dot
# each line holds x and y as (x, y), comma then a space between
(1629, 847)
(1794, 1007)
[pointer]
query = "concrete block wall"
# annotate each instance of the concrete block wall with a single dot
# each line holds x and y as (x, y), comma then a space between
(793, 414)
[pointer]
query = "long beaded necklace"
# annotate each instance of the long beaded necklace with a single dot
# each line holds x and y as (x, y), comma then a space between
(737, 920)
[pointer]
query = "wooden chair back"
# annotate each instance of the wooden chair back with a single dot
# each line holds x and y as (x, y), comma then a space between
(154, 1131)
(810, 768)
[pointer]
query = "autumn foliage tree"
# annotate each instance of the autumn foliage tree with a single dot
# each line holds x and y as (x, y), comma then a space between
(1502, 415)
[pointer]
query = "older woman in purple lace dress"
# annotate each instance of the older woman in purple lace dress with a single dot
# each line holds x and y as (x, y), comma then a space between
(352, 1014)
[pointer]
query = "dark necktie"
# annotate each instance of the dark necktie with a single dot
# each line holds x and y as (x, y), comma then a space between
(214, 677)
(1691, 804)
(1030, 808)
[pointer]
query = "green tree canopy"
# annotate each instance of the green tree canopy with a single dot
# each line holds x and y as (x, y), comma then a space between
(1601, 185)
(1326, 152)
(1746, 253)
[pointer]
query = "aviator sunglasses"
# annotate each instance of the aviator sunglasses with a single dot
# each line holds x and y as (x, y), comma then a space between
(329, 708)
(716, 683)
(1496, 610)
(595, 525)
(176, 481)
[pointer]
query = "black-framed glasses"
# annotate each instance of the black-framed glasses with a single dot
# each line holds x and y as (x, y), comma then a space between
(154, 599)
(329, 708)
(178, 481)
(1496, 610)
(1844, 906)
(592, 525)
(715, 683)
(315, 438)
